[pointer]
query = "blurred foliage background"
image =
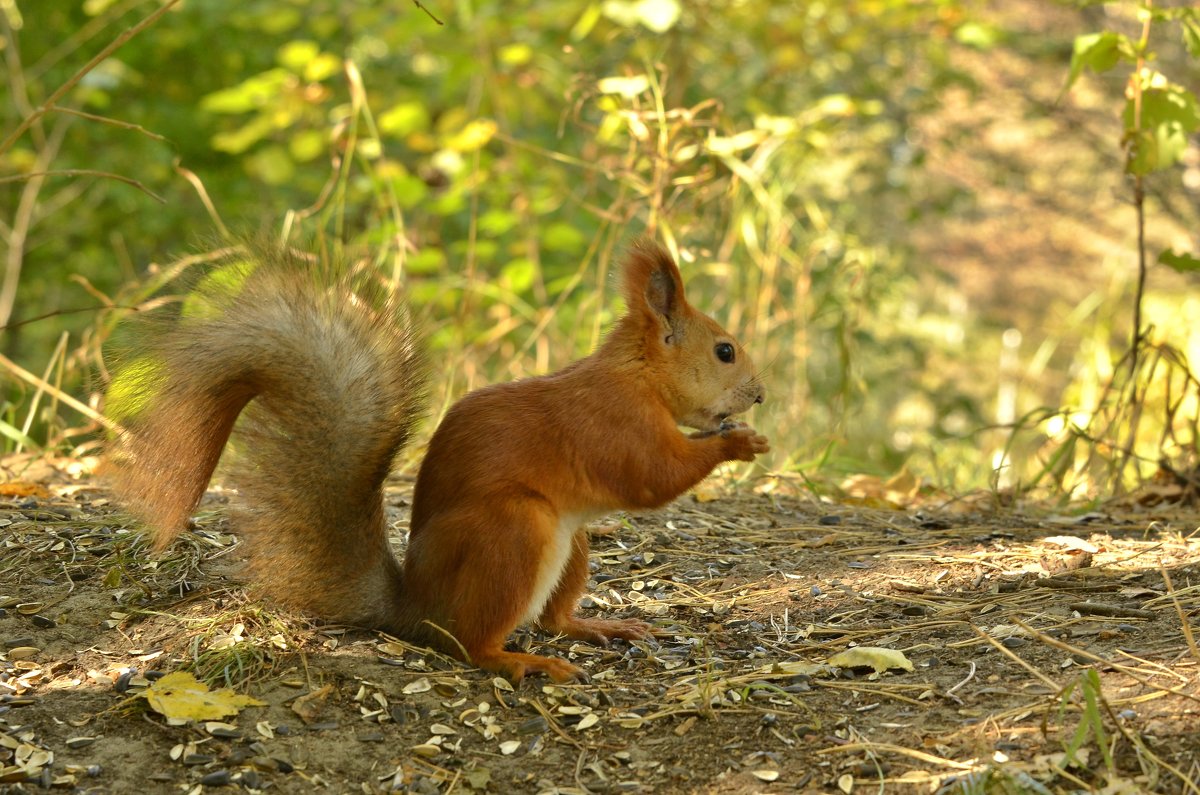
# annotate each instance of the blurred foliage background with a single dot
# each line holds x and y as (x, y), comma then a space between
(924, 237)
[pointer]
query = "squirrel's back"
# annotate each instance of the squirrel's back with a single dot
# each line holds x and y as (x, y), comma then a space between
(319, 361)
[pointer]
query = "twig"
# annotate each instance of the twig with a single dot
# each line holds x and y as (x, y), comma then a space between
(1055, 686)
(897, 749)
(1183, 621)
(1078, 652)
(968, 678)
(82, 408)
(191, 177)
(429, 13)
(1112, 611)
(553, 724)
(447, 634)
(125, 125)
(85, 172)
(74, 79)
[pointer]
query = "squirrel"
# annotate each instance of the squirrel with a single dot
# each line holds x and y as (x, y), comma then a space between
(324, 380)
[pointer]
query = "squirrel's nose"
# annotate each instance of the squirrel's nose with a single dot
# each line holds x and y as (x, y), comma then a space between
(761, 396)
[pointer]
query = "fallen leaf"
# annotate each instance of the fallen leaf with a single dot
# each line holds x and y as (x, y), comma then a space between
(871, 657)
(308, 706)
(1072, 542)
(19, 488)
(180, 697)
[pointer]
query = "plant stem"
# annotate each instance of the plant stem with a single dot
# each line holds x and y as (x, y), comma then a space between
(1139, 197)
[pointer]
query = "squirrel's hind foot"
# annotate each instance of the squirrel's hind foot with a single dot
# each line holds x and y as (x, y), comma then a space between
(514, 666)
(599, 631)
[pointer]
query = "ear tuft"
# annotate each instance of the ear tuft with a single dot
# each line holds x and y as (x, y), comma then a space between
(652, 282)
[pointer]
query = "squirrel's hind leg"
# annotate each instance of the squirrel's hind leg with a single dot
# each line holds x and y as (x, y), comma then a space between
(476, 571)
(559, 613)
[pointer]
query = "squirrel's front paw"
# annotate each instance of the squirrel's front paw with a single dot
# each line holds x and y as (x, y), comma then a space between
(743, 443)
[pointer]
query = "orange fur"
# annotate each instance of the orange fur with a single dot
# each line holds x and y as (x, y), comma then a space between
(511, 477)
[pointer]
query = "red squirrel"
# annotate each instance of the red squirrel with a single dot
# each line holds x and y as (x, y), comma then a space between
(324, 374)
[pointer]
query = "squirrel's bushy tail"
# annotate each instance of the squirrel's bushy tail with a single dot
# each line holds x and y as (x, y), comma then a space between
(316, 367)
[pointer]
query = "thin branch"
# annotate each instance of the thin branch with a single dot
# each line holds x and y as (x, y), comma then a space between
(82, 408)
(429, 13)
(86, 172)
(125, 125)
(207, 201)
(74, 79)
(74, 311)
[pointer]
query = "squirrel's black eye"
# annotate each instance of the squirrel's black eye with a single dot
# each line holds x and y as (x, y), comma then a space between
(724, 352)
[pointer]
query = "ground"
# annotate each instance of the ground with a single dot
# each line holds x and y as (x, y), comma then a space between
(1023, 634)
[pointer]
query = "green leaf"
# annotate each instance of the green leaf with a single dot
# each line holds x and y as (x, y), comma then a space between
(429, 260)
(14, 433)
(308, 145)
(563, 237)
(517, 275)
(496, 222)
(1182, 262)
(1191, 36)
(295, 55)
(404, 119)
(410, 190)
(271, 164)
(1099, 52)
(237, 141)
(252, 93)
(1170, 114)
(978, 35)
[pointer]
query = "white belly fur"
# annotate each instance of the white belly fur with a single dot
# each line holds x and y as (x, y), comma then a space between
(554, 561)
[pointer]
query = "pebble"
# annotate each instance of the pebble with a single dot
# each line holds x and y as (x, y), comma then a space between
(217, 778)
(830, 519)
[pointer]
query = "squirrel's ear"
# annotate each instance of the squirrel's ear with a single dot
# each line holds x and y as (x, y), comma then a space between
(653, 285)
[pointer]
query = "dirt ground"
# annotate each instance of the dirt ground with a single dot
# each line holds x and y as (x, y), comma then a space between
(1009, 622)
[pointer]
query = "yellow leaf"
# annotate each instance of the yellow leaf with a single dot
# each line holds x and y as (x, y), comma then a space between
(871, 657)
(18, 488)
(628, 87)
(474, 135)
(179, 696)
